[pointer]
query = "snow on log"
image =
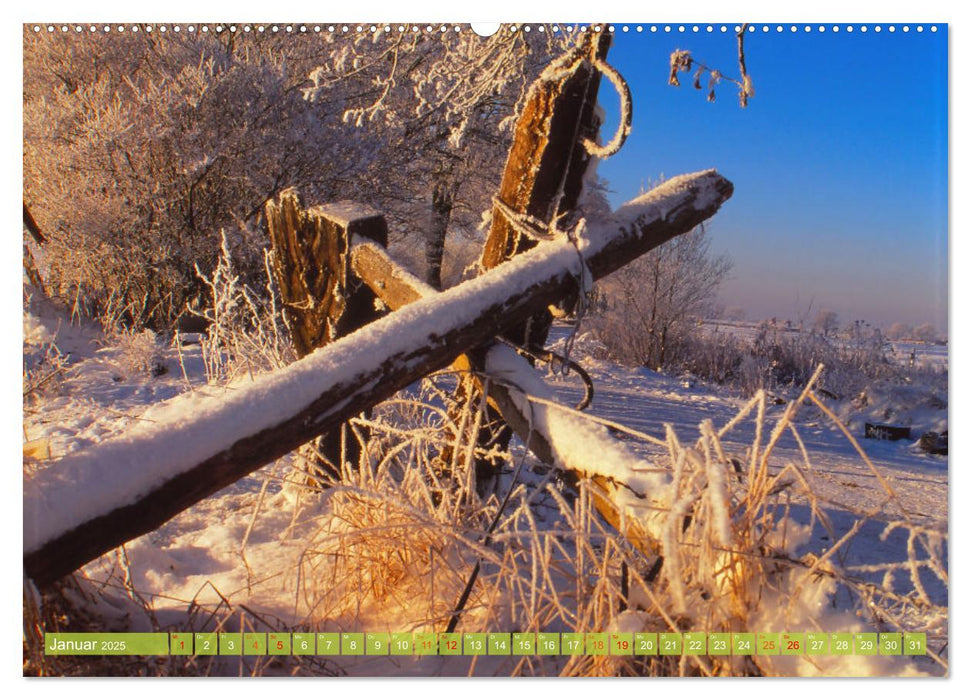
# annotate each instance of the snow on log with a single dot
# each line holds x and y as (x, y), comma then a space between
(89, 502)
(631, 492)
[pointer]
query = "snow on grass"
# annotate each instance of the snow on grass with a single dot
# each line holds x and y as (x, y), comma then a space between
(392, 546)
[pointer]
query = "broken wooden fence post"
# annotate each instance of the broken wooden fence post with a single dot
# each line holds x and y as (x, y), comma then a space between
(542, 181)
(197, 444)
(322, 299)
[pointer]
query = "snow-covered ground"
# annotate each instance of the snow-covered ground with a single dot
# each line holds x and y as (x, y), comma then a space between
(240, 558)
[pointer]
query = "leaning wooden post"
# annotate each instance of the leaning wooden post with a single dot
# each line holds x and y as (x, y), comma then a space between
(322, 298)
(542, 181)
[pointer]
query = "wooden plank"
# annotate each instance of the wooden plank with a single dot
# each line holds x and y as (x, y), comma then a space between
(542, 180)
(339, 381)
(544, 171)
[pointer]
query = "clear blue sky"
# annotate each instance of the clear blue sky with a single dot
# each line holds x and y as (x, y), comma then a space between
(839, 164)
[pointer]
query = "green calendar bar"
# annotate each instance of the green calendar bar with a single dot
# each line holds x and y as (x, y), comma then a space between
(571, 643)
(621, 643)
(230, 644)
(841, 644)
(915, 643)
(106, 644)
(597, 644)
(866, 643)
(377, 643)
(206, 643)
(817, 643)
(891, 644)
(328, 644)
(254, 644)
(743, 643)
(492, 644)
(523, 643)
(548, 643)
(720, 643)
(500, 644)
(426, 644)
(645, 643)
(352, 644)
(695, 643)
(669, 643)
(450, 644)
(303, 644)
(767, 643)
(402, 644)
(793, 643)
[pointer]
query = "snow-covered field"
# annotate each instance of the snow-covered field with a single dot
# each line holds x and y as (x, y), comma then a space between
(242, 558)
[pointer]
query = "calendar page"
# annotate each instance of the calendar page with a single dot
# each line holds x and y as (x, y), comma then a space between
(524, 349)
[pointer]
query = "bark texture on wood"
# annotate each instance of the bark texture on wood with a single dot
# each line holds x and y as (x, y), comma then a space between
(323, 300)
(542, 180)
(464, 317)
(544, 172)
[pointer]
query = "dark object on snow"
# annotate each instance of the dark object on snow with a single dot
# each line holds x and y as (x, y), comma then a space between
(879, 431)
(934, 443)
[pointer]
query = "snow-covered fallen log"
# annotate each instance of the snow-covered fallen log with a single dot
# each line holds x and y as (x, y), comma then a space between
(87, 503)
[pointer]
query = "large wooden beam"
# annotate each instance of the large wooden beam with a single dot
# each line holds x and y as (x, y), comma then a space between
(197, 444)
(523, 401)
(541, 182)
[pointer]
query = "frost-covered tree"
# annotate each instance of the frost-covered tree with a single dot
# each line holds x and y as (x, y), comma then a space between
(734, 313)
(899, 331)
(653, 302)
(139, 148)
(439, 108)
(926, 332)
(827, 322)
